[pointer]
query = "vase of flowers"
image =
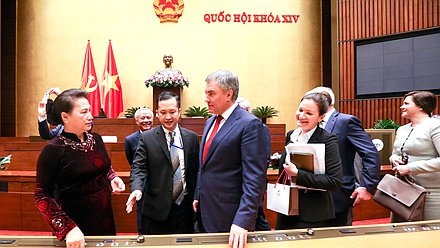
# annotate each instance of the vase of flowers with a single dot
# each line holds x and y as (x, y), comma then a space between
(167, 78)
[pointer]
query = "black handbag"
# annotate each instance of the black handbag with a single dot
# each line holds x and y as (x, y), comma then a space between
(402, 196)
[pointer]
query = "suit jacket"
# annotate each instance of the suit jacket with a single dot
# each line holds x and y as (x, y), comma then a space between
(352, 138)
(152, 171)
(268, 144)
(46, 133)
(231, 182)
(130, 144)
(317, 206)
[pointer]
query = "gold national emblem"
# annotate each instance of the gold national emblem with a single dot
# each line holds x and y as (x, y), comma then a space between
(168, 10)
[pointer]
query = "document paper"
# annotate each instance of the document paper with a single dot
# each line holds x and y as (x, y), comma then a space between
(318, 151)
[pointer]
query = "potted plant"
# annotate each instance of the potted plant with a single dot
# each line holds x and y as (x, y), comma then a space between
(129, 113)
(386, 124)
(195, 111)
(265, 112)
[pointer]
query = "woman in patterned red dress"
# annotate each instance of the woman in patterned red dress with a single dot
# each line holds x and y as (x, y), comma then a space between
(75, 178)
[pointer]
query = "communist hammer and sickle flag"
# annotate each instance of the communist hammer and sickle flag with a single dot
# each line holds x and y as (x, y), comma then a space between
(89, 82)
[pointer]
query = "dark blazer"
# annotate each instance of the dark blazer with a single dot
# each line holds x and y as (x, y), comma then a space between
(130, 144)
(352, 138)
(231, 182)
(152, 165)
(46, 133)
(317, 206)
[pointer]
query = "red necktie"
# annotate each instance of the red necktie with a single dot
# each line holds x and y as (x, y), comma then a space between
(213, 133)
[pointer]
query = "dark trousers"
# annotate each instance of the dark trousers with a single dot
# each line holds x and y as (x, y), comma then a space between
(179, 220)
(261, 223)
(342, 219)
(140, 219)
(293, 222)
(199, 228)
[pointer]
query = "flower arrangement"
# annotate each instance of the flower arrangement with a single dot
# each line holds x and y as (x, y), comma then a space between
(167, 78)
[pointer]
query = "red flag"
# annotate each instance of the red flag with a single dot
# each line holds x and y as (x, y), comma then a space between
(89, 82)
(111, 86)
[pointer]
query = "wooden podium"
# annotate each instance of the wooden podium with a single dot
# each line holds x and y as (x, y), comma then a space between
(157, 90)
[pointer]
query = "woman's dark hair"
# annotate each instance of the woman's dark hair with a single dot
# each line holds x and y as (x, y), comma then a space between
(64, 102)
(424, 99)
(321, 99)
(167, 95)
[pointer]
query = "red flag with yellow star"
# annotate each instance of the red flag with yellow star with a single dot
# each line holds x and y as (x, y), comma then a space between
(111, 86)
(89, 81)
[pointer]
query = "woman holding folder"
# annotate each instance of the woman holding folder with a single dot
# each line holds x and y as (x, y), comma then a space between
(315, 206)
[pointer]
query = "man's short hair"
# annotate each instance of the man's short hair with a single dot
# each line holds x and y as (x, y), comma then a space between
(167, 95)
(139, 111)
(225, 80)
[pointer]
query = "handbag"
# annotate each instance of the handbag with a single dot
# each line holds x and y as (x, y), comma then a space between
(282, 198)
(402, 196)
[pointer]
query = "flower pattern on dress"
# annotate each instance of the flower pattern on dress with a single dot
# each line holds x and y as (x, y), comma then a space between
(85, 146)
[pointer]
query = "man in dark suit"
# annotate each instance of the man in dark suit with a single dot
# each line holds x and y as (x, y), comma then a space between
(144, 120)
(261, 223)
(352, 139)
(164, 171)
(232, 173)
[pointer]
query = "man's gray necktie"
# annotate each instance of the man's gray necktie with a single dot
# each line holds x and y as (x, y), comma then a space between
(178, 193)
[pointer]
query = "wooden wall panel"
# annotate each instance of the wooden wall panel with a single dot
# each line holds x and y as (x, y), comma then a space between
(363, 19)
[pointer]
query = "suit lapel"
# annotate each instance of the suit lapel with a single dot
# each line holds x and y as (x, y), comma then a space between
(160, 138)
(185, 141)
(315, 138)
(332, 122)
(224, 130)
(138, 137)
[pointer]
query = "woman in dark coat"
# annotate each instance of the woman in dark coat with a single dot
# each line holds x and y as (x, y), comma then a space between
(315, 207)
(75, 178)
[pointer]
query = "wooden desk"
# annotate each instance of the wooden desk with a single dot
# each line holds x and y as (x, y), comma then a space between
(418, 234)
(19, 211)
(25, 154)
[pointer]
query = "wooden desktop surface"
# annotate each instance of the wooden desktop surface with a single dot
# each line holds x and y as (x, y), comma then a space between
(416, 234)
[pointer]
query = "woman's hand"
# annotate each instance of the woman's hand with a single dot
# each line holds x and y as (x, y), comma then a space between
(291, 169)
(402, 169)
(118, 185)
(396, 160)
(75, 238)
